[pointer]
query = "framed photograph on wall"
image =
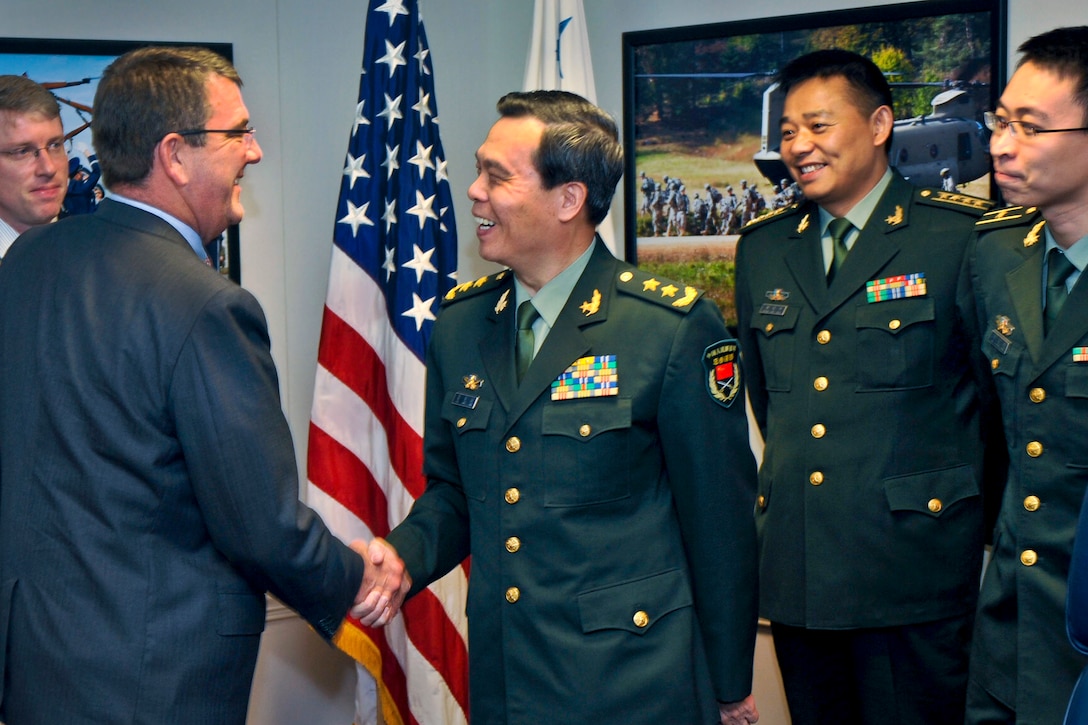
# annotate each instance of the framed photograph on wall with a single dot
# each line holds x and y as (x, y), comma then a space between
(71, 69)
(701, 116)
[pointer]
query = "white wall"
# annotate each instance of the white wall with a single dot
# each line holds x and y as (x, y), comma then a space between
(300, 61)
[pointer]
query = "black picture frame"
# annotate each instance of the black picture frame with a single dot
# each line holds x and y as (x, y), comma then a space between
(71, 68)
(701, 97)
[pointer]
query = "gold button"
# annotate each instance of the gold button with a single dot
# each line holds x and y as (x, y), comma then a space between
(820, 383)
(894, 325)
(935, 505)
(626, 276)
(512, 495)
(1028, 557)
(761, 501)
(1037, 395)
(819, 431)
(769, 326)
(513, 444)
(461, 422)
(513, 594)
(641, 619)
(585, 430)
(1035, 449)
(994, 364)
(513, 544)
(823, 337)
(1032, 503)
(816, 478)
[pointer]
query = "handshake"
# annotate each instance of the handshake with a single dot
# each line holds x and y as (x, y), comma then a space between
(385, 583)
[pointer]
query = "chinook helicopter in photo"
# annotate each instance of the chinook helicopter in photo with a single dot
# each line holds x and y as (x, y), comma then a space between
(951, 139)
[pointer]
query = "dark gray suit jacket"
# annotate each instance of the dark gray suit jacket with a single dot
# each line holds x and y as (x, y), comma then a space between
(148, 487)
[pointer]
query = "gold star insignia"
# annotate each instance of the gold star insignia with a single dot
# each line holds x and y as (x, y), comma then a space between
(650, 285)
(590, 307)
(669, 291)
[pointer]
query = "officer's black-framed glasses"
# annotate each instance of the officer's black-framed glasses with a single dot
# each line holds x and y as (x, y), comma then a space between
(999, 125)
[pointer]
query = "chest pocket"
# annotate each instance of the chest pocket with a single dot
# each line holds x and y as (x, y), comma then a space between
(469, 426)
(776, 344)
(896, 344)
(586, 451)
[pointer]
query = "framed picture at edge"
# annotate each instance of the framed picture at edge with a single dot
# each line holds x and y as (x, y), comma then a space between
(71, 69)
(701, 111)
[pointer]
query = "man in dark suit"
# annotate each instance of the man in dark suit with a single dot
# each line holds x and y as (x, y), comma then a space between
(148, 490)
(869, 514)
(1026, 263)
(605, 494)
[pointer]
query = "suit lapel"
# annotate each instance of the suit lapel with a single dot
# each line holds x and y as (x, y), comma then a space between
(566, 342)
(497, 347)
(804, 258)
(876, 245)
(1069, 328)
(1025, 284)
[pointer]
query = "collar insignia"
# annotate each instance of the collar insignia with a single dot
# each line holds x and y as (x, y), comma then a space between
(803, 225)
(1033, 236)
(501, 304)
(590, 307)
(896, 218)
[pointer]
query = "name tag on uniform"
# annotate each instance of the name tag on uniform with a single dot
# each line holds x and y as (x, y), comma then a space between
(463, 400)
(998, 342)
(769, 308)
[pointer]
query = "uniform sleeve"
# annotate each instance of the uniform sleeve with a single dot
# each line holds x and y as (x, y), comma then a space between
(749, 344)
(712, 473)
(225, 398)
(434, 537)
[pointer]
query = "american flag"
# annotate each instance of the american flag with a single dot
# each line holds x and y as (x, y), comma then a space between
(394, 257)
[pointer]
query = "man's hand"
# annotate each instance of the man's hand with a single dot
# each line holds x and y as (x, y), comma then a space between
(385, 583)
(739, 713)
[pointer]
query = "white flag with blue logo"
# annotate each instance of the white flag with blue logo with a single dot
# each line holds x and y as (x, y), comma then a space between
(559, 60)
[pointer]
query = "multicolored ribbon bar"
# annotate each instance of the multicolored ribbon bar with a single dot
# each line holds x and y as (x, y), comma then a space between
(1080, 354)
(588, 377)
(898, 287)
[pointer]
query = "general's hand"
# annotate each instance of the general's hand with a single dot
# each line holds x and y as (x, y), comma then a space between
(385, 583)
(739, 713)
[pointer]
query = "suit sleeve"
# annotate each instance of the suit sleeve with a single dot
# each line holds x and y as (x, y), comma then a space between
(225, 397)
(712, 473)
(1076, 609)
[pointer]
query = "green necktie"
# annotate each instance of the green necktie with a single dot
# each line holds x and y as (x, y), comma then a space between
(838, 229)
(1058, 270)
(527, 315)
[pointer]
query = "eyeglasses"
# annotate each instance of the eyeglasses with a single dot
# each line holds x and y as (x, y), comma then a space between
(242, 133)
(1000, 124)
(24, 154)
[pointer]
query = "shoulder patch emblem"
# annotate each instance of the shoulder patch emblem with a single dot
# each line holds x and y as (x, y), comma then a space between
(470, 289)
(661, 290)
(721, 361)
(952, 200)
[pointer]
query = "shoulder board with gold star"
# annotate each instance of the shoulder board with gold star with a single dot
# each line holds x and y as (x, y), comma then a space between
(475, 287)
(1008, 216)
(965, 203)
(658, 289)
(773, 214)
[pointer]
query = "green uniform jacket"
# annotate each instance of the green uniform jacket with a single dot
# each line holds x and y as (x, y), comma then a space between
(1021, 654)
(869, 511)
(613, 547)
